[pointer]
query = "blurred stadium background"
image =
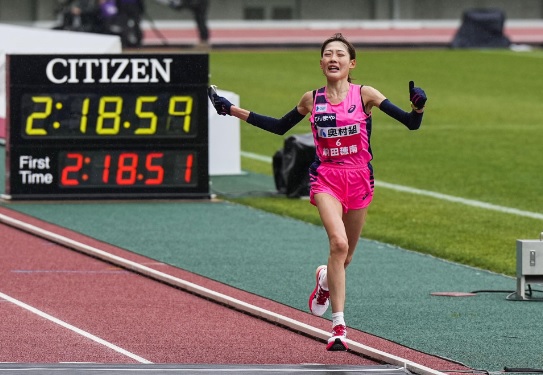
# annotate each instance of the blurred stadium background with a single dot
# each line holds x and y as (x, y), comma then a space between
(39, 11)
(299, 23)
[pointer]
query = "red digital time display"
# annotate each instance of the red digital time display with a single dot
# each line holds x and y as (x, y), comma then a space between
(127, 168)
(114, 126)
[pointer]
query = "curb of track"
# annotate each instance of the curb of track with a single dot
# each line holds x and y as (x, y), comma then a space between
(221, 298)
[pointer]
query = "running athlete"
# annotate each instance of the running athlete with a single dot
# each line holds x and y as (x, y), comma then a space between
(341, 178)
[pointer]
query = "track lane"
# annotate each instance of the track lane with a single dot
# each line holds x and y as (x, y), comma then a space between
(31, 337)
(142, 316)
(380, 344)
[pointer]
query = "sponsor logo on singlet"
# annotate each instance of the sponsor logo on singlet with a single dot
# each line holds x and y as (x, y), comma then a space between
(325, 120)
(320, 108)
(337, 141)
(342, 131)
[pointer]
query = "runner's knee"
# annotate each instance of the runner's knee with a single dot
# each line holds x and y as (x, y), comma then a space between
(339, 247)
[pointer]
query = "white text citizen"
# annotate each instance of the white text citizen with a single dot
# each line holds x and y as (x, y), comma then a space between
(134, 70)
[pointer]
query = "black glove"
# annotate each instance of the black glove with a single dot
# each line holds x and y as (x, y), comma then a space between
(222, 105)
(417, 96)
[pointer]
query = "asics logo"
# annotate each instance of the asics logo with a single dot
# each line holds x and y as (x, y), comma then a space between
(351, 109)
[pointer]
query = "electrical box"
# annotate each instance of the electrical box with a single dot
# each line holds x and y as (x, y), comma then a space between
(529, 264)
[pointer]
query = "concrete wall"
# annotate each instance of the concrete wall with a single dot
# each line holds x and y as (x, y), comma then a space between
(28, 11)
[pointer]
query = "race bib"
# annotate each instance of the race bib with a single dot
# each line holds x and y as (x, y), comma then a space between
(339, 141)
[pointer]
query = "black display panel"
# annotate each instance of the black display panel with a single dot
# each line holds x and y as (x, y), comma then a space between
(107, 126)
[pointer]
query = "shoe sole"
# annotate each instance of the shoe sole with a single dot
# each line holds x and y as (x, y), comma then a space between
(312, 296)
(337, 346)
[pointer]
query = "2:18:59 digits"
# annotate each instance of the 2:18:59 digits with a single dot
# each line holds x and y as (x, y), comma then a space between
(91, 115)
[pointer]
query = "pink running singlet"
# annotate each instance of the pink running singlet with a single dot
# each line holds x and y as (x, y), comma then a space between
(342, 139)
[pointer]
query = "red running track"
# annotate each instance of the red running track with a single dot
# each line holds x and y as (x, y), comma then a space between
(407, 34)
(150, 321)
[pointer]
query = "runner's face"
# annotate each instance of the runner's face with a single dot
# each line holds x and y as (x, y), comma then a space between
(336, 62)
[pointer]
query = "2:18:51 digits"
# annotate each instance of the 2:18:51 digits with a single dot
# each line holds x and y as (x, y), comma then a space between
(113, 168)
(91, 115)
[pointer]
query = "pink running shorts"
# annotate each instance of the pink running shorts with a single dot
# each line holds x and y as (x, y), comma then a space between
(351, 186)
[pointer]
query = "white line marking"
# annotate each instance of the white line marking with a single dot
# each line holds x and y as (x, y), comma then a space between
(218, 297)
(445, 197)
(250, 155)
(467, 202)
(260, 370)
(527, 53)
(72, 328)
(81, 368)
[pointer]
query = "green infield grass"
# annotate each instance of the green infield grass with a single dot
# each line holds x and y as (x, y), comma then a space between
(481, 140)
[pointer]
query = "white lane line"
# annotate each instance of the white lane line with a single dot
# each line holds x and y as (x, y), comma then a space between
(428, 193)
(216, 296)
(250, 155)
(467, 202)
(85, 368)
(73, 328)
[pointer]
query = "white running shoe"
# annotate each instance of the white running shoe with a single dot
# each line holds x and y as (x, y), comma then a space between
(337, 342)
(319, 300)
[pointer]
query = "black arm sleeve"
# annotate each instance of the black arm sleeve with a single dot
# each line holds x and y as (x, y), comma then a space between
(411, 119)
(273, 125)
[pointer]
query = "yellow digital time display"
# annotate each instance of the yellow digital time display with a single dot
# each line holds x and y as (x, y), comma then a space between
(107, 126)
(91, 115)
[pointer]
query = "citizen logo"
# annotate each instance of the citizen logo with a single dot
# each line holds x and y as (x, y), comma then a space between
(104, 70)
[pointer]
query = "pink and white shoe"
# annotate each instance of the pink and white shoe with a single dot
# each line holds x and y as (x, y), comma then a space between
(319, 300)
(337, 342)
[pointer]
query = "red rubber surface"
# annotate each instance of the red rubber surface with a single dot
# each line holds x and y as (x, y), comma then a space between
(363, 34)
(145, 317)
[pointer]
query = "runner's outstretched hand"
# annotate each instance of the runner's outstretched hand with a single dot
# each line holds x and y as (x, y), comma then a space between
(417, 96)
(221, 104)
